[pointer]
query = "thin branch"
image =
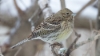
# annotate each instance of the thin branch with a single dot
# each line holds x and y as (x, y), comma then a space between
(4, 22)
(89, 49)
(16, 27)
(20, 12)
(89, 3)
(90, 45)
(63, 5)
(71, 48)
(55, 50)
(98, 17)
(89, 40)
(1, 2)
(98, 26)
(23, 3)
(18, 51)
(30, 19)
(1, 52)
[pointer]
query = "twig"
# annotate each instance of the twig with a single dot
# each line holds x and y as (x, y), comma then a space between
(20, 12)
(30, 19)
(89, 3)
(89, 49)
(18, 51)
(98, 27)
(98, 17)
(1, 2)
(89, 40)
(36, 14)
(63, 5)
(71, 48)
(4, 22)
(1, 52)
(90, 45)
(52, 49)
(15, 28)
(23, 3)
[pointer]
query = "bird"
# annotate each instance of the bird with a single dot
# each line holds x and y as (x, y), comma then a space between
(54, 28)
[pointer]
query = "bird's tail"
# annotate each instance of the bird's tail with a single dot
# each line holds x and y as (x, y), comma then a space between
(20, 43)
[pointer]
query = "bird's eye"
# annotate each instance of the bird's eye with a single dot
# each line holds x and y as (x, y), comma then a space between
(67, 13)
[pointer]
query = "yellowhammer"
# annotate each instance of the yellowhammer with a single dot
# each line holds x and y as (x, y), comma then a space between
(55, 28)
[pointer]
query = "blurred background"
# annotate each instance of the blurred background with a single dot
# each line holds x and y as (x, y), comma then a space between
(18, 18)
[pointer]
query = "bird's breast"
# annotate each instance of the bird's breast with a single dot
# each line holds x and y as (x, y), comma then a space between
(64, 35)
(58, 36)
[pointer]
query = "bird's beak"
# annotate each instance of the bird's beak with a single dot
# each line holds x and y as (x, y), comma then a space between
(74, 14)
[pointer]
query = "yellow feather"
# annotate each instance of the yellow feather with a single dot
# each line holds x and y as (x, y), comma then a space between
(64, 35)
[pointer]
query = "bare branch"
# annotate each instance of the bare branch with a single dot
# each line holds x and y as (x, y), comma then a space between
(30, 19)
(18, 51)
(63, 5)
(79, 12)
(98, 17)
(71, 48)
(89, 40)
(15, 28)
(55, 49)
(4, 22)
(20, 12)
(1, 52)
(98, 28)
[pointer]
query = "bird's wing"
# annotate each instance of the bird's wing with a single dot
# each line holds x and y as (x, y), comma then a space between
(40, 31)
(44, 29)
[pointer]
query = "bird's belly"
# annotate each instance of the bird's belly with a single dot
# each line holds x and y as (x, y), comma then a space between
(58, 37)
(64, 35)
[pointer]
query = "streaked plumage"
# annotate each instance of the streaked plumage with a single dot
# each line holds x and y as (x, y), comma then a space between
(55, 28)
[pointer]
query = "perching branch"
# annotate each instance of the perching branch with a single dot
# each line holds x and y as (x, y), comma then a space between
(74, 46)
(68, 51)
(55, 49)
(71, 48)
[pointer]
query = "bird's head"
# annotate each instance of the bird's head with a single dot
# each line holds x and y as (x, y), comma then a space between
(66, 14)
